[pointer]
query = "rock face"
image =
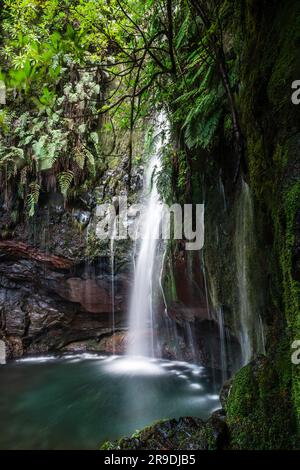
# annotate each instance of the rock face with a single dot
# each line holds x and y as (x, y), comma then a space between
(189, 298)
(191, 301)
(185, 434)
(48, 302)
(56, 289)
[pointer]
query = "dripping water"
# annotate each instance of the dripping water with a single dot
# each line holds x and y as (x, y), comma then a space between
(222, 333)
(249, 322)
(205, 282)
(222, 192)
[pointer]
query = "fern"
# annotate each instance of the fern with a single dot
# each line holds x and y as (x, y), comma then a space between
(65, 179)
(33, 198)
(183, 31)
(79, 157)
(90, 161)
(200, 132)
(202, 121)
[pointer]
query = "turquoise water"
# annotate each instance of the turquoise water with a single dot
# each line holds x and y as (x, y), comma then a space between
(78, 402)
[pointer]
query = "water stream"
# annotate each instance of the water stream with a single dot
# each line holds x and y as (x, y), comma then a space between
(141, 320)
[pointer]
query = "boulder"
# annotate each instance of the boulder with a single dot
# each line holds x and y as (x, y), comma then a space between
(184, 434)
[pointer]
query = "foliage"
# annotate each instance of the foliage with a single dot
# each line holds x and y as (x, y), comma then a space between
(67, 63)
(54, 88)
(33, 197)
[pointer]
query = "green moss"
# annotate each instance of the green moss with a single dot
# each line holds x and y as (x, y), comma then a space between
(107, 446)
(259, 410)
(186, 433)
(264, 395)
(95, 246)
(287, 59)
(170, 283)
(260, 178)
(291, 287)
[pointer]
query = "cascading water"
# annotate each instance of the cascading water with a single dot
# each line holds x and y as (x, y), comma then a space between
(223, 352)
(112, 265)
(249, 321)
(141, 305)
(224, 338)
(205, 282)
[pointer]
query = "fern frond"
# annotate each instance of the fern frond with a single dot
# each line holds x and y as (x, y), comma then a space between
(33, 198)
(79, 157)
(65, 179)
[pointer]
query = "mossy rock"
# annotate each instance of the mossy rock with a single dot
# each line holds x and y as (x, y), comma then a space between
(259, 409)
(185, 434)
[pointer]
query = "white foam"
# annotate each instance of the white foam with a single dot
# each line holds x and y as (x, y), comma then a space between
(134, 365)
(66, 357)
(196, 386)
(213, 397)
(37, 359)
(81, 357)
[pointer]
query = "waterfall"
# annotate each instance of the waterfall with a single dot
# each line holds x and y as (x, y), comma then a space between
(205, 282)
(223, 352)
(112, 266)
(249, 321)
(141, 321)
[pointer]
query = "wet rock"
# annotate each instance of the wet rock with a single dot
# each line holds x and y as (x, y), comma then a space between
(88, 199)
(44, 308)
(82, 217)
(14, 346)
(93, 296)
(12, 313)
(115, 343)
(22, 250)
(189, 283)
(217, 428)
(225, 391)
(184, 434)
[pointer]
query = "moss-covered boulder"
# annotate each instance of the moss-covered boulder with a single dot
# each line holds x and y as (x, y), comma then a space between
(259, 409)
(185, 434)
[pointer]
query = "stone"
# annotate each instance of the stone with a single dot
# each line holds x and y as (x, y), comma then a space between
(184, 434)
(45, 305)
